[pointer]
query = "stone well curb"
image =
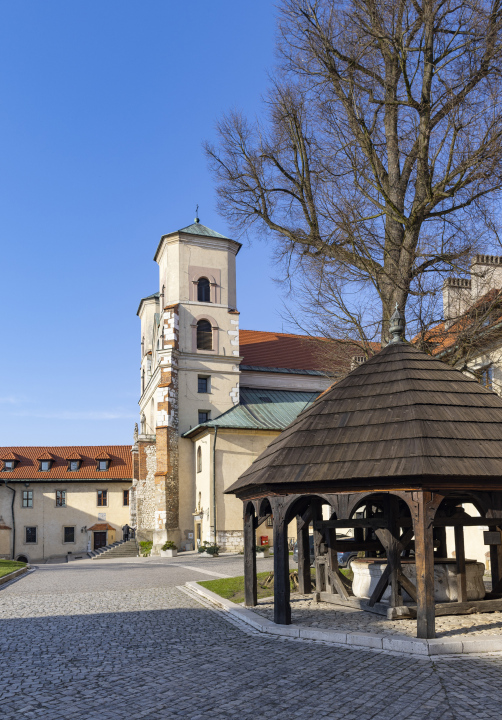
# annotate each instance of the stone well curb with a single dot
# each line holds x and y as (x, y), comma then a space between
(14, 575)
(393, 643)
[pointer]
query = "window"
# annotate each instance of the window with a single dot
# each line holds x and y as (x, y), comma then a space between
(126, 497)
(486, 377)
(103, 465)
(203, 384)
(30, 534)
(9, 465)
(102, 498)
(204, 335)
(69, 535)
(27, 498)
(60, 498)
(73, 465)
(199, 459)
(204, 416)
(203, 290)
(45, 465)
(270, 521)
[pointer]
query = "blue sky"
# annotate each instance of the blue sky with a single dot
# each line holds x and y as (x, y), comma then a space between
(103, 110)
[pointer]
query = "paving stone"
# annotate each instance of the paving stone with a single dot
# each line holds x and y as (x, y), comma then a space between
(81, 642)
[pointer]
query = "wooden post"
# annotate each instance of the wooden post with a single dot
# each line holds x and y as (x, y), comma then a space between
(282, 608)
(495, 550)
(250, 584)
(320, 570)
(424, 559)
(496, 562)
(442, 548)
(304, 577)
(393, 550)
(460, 562)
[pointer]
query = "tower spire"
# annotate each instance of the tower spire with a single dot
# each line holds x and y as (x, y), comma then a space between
(197, 213)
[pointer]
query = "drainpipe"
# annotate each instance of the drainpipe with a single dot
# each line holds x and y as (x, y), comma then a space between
(214, 483)
(13, 520)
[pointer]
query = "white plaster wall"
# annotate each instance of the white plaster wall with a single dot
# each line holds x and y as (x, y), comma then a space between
(475, 549)
(81, 511)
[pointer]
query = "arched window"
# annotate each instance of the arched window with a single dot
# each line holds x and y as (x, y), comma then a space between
(204, 335)
(199, 459)
(203, 290)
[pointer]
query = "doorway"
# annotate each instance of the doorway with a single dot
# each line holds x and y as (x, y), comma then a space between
(198, 534)
(99, 540)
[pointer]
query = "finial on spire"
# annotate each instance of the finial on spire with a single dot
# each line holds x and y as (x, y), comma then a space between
(396, 327)
(197, 214)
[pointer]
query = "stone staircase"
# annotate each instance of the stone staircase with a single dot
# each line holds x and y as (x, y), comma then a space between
(120, 549)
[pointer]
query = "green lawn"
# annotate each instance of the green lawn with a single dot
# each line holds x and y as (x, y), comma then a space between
(233, 588)
(8, 566)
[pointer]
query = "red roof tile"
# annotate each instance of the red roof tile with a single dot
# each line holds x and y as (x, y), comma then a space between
(27, 465)
(295, 352)
(101, 527)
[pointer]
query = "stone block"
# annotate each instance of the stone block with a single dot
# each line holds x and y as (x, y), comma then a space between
(371, 640)
(284, 630)
(324, 635)
(444, 646)
(403, 644)
(482, 643)
(248, 616)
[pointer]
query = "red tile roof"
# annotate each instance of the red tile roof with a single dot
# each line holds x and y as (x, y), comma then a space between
(27, 465)
(441, 337)
(296, 352)
(101, 527)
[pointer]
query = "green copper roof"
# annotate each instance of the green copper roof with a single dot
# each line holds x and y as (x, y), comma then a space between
(198, 229)
(261, 410)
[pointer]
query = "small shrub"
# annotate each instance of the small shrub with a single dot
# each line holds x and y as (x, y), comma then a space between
(262, 548)
(169, 545)
(146, 547)
(209, 548)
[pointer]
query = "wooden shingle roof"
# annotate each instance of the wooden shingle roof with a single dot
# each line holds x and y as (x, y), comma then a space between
(402, 415)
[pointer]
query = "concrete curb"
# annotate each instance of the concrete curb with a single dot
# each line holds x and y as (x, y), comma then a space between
(394, 643)
(14, 575)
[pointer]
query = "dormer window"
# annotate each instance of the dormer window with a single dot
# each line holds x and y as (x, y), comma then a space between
(44, 465)
(73, 465)
(203, 290)
(103, 465)
(9, 465)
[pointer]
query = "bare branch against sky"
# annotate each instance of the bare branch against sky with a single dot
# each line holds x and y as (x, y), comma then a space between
(377, 164)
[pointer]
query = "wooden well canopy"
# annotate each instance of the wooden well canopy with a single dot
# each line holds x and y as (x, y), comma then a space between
(421, 435)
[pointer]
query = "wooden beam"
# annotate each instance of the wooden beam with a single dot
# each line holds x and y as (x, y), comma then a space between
(381, 585)
(304, 520)
(282, 607)
(407, 585)
(354, 523)
(250, 583)
(320, 570)
(465, 521)
(424, 562)
(332, 566)
(348, 545)
(460, 563)
(441, 547)
(261, 519)
(304, 576)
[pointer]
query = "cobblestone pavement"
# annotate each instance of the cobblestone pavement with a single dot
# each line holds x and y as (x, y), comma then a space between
(305, 611)
(96, 641)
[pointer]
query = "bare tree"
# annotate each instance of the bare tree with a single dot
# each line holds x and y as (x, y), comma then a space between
(381, 152)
